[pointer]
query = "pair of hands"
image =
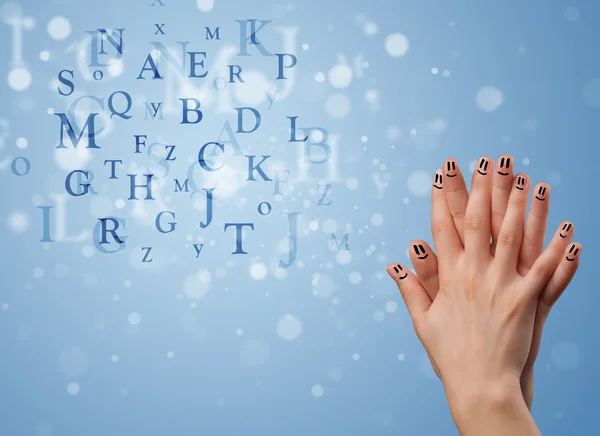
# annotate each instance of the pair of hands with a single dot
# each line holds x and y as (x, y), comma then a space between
(479, 307)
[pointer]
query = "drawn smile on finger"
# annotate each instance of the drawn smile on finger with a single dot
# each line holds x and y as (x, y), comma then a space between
(566, 228)
(398, 268)
(504, 164)
(438, 179)
(420, 250)
(541, 193)
(520, 183)
(483, 166)
(451, 165)
(574, 253)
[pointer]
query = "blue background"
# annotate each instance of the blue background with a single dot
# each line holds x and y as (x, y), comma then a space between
(209, 355)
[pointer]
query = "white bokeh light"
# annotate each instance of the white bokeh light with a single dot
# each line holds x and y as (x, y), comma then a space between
(289, 327)
(489, 98)
(19, 79)
(396, 45)
(419, 183)
(18, 222)
(59, 28)
(205, 5)
(134, 318)
(197, 285)
(258, 271)
(73, 388)
(317, 391)
(377, 219)
(340, 76)
(338, 106)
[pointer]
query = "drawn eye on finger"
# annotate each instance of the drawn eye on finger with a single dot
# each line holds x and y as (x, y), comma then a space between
(566, 228)
(451, 169)
(400, 272)
(437, 183)
(573, 251)
(483, 166)
(541, 193)
(504, 167)
(521, 183)
(420, 251)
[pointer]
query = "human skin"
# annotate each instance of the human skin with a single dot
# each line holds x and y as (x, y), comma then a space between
(531, 246)
(479, 308)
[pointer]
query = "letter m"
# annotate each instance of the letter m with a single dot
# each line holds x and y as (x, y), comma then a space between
(179, 187)
(212, 35)
(334, 246)
(65, 126)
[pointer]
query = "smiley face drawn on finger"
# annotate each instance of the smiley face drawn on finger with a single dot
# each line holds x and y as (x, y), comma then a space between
(504, 166)
(438, 180)
(566, 228)
(483, 166)
(572, 252)
(451, 166)
(541, 193)
(398, 268)
(420, 250)
(520, 183)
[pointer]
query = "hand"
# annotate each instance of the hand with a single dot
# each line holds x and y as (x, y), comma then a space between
(477, 324)
(531, 247)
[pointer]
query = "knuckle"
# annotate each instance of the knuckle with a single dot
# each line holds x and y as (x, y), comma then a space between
(458, 215)
(498, 216)
(507, 239)
(473, 222)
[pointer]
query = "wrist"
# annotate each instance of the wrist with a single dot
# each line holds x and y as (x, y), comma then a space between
(491, 409)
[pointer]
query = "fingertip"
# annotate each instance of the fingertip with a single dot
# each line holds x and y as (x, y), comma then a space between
(397, 271)
(573, 252)
(505, 164)
(484, 166)
(438, 180)
(451, 167)
(541, 191)
(566, 229)
(521, 182)
(419, 250)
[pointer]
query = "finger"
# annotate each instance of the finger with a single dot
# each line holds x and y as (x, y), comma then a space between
(446, 240)
(545, 266)
(413, 293)
(456, 195)
(477, 215)
(425, 263)
(535, 229)
(511, 232)
(555, 287)
(562, 276)
(503, 181)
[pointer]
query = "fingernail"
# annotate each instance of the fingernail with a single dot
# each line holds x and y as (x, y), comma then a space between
(521, 182)
(437, 180)
(483, 166)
